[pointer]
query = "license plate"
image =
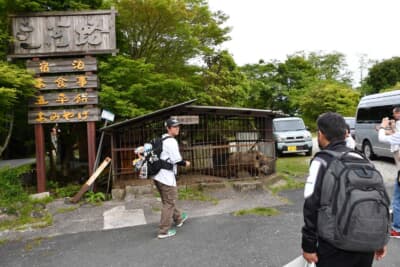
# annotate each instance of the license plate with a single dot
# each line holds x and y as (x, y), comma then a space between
(291, 148)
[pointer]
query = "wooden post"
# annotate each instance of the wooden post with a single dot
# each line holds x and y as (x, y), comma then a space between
(40, 158)
(85, 187)
(91, 137)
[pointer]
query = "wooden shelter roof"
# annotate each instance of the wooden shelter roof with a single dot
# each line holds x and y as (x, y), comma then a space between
(186, 108)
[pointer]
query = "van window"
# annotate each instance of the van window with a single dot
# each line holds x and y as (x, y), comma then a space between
(373, 114)
(289, 125)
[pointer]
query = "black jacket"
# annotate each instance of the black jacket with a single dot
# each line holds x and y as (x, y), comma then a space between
(312, 204)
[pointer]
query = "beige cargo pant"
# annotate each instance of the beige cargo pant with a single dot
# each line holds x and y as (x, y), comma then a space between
(169, 212)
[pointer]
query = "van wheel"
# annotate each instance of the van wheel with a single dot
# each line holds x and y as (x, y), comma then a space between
(309, 152)
(367, 150)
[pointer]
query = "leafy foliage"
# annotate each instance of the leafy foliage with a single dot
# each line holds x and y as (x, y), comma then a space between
(281, 85)
(224, 83)
(332, 96)
(11, 190)
(383, 75)
(168, 33)
(16, 85)
(94, 198)
(392, 88)
(132, 87)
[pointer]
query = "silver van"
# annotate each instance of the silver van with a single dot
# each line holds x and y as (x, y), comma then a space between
(291, 136)
(370, 111)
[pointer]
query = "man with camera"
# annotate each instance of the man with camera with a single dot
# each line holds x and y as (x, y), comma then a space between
(389, 132)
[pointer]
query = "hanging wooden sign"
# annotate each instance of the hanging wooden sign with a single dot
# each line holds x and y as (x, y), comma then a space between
(63, 115)
(63, 82)
(64, 99)
(62, 65)
(63, 33)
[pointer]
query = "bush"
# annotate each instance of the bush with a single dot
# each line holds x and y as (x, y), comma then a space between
(11, 189)
(67, 191)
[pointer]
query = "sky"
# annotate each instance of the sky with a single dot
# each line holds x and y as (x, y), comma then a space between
(273, 29)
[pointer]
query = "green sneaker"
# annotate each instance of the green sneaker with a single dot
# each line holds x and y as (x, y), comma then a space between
(171, 232)
(184, 218)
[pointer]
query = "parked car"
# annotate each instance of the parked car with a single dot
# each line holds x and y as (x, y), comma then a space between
(370, 111)
(291, 136)
(351, 121)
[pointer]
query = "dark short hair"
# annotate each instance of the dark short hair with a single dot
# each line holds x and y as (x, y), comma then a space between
(348, 127)
(396, 109)
(332, 125)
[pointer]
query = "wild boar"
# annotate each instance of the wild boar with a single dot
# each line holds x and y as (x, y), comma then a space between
(253, 162)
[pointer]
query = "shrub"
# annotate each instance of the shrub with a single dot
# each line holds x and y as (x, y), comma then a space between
(11, 189)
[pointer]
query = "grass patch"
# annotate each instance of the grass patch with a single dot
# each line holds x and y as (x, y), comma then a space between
(66, 191)
(65, 210)
(189, 193)
(292, 171)
(293, 166)
(259, 211)
(289, 183)
(25, 220)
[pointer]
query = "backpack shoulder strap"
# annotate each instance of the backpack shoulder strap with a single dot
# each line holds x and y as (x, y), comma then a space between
(165, 137)
(342, 155)
(335, 154)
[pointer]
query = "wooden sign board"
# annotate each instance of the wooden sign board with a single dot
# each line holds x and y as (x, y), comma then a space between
(64, 99)
(44, 34)
(193, 119)
(63, 115)
(64, 82)
(49, 66)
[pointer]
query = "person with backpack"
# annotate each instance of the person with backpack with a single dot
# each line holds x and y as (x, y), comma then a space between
(165, 181)
(346, 208)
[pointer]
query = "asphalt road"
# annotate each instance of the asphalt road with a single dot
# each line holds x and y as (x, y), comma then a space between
(221, 240)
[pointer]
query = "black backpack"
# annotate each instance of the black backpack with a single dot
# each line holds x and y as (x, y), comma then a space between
(354, 207)
(153, 160)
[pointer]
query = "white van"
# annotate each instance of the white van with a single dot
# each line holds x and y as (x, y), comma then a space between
(370, 111)
(291, 136)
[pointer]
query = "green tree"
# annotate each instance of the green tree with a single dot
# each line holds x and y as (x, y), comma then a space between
(382, 75)
(168, 33)
(223, 82)
(16, 85)
(281, 84)
(296, 72)
(264, 91)
(324, 96)
(392, 88)
(132, 87)
(330, 66)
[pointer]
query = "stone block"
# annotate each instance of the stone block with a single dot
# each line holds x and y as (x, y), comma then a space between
(139, 189)
(247, 186)
(40, 195)
(118, 194)
(212, 185)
